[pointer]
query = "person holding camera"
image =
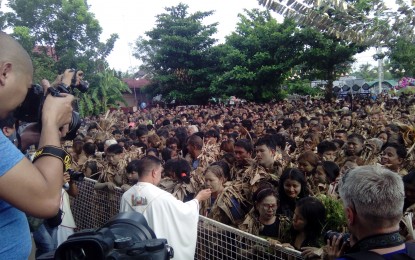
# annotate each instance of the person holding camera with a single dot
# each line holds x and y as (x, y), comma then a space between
(29, 188)
(373, 199)
(169, 217)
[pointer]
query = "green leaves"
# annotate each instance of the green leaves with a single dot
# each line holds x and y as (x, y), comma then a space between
(66, 35)
(66, 28)
(106, 92)
(177, 55)
(335, 217)
(402, 56)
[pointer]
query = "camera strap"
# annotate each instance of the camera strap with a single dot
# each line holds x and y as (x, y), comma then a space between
(57, 152)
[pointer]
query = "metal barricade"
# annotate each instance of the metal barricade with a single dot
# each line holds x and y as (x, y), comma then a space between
(219, 241)
(93, 208)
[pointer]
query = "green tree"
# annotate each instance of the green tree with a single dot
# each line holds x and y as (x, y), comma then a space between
(68, 28)
(105, 94)
(65, 35)
(326, 57)
(366, 72)
(368, 22)
(44, 65)
(402, 56)
(302, 87)
(177, 55)
(257, 57)
(262, 55)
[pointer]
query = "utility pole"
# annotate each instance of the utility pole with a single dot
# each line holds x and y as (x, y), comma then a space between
(379, 57)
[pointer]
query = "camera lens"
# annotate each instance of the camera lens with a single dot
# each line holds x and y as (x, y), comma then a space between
(73, 126)
(82, 86)
(331, 234)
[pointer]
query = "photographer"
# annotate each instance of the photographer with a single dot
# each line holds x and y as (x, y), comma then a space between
(373, 199)
(25, 187)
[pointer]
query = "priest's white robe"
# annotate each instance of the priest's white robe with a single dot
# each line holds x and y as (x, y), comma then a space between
(169, 217)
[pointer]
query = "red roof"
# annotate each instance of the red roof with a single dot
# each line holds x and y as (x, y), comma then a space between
(48, 50)
(136, 83)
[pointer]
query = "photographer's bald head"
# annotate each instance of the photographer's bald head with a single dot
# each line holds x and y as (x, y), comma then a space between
(16, 73)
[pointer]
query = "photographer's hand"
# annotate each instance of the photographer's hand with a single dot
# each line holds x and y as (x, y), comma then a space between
(334, 249)
(45, 85)
(67, 76)
(66, 177)
(57, 112)
(44, 185)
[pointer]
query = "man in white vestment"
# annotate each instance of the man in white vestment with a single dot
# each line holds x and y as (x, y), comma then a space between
(169, 217)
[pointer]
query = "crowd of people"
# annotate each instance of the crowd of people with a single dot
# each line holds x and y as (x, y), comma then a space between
(330, 179)
(274, 170)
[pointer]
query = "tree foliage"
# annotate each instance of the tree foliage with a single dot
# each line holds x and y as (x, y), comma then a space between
(67, 30)
(262, 55)
(105, 94)
(402, 56)
(177, 54)
(326, 57)
(368, 22)
(302, 87)
(366, 72)
(257, 57)
(65, 35)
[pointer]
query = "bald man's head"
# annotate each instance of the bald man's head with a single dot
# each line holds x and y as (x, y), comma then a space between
(16, 73)
(12, 51)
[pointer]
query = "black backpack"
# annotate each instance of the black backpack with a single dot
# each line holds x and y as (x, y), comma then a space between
(369, 255)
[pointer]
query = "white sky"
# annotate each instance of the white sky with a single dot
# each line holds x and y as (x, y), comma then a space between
(132, 18)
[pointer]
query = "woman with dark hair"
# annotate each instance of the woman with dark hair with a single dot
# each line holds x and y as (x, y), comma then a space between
(262, 220)
(226, 205)
(383, 136)
(393, 157)
(308, 222)
(225, 168)
(307, 163)
(292, 186)
(325, 178)
(394, 134)
(177, 179)
(167, 154)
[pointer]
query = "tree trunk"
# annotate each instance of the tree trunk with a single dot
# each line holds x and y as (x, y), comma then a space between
(329, 87)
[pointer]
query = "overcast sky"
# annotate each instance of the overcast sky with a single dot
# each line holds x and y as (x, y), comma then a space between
(132, 18)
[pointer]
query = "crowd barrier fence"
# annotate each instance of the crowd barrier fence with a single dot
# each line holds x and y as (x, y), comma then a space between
(93, 208)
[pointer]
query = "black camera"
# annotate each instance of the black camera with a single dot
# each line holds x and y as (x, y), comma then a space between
(31, 108)
(76, 176)
(126, 236)
(330, 234)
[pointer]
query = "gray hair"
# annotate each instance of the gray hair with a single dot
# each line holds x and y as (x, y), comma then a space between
(376, 193)
(193, 128)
